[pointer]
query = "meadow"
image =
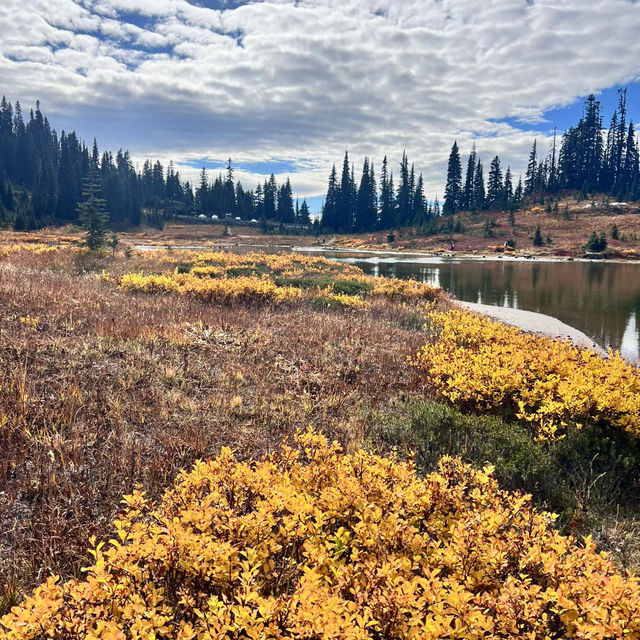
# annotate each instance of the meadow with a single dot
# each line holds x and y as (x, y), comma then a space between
(122, 370)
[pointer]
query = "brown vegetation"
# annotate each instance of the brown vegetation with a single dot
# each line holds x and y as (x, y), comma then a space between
(102, 390)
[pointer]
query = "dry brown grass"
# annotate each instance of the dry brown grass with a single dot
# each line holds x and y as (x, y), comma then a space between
(102, 390)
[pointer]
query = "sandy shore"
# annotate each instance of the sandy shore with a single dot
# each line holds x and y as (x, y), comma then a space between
(533, 322)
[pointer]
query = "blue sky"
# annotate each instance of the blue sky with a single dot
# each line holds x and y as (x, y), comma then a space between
(568, 115)
(288, 85)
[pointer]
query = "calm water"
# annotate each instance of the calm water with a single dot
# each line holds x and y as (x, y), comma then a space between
(600, 299)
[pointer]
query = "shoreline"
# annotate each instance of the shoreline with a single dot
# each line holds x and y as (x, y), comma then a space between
(444, 256)
(535, 323)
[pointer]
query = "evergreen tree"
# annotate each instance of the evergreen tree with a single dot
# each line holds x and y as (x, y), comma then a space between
(404, 194)
(629, 169)
(386, 198)
(537, 238)
(453, 188)
(229, 198)
(304, 217)
(284, 212)
(202, 192)
(329, 209)
(478, 202)
(518, 194)
(92, 215)
(270, 193)
(532, 169)
(366, 213)
(345, 199)
(508, 189)
(419, 207)
(495, 187)
(554, 183)
(467, 194)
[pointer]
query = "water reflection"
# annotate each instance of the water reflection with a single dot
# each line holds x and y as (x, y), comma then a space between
(600, 299)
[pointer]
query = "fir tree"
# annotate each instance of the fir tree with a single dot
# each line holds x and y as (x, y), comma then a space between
(467, 194)
(508, 189)
(495, 187)
(329, 209)
(366, 207)
(532, 169)
(537, 238)
(92, 215)
(345, 199)
(453, 188)
(386, 198)
(404, 194)
(478, 188)
(305, 214)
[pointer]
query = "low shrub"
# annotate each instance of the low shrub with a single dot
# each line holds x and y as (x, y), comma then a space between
(489, 367)
(591, 472)
(319, 544)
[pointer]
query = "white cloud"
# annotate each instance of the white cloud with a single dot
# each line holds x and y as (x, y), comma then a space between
(303, 80)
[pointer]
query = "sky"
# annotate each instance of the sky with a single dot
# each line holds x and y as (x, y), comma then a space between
(286, 86)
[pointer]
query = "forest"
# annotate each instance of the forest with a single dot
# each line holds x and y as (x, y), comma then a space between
(42, 175)
(586, 159)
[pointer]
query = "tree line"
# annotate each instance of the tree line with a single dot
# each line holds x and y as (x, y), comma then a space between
(587, 159)
(43, 174)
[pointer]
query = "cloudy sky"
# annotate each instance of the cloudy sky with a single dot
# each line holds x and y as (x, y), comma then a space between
(288, 85)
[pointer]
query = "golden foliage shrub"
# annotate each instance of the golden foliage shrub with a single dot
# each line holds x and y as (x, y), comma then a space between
(486, 366)
(35, 248)
(404, 289)
(222, 276)
(242, 289)
(319, 544)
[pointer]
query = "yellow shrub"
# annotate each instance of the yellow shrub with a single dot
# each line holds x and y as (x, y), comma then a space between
(487, 366)
(404, 289)
(244, 289)
(341, 299)
(342, 546)
(221, 276)
(36, 248)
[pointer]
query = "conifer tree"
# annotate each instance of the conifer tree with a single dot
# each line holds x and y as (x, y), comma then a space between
(329, 209)
(305, 215)
(269, 195)
(285, 212)
(345, 199)
(467, 194)
(386, 198)
(532, 169)
(366, 208)
(518, 194)
(453, 188)
(92, 215)
(419, 209)
(553, 183)
(508, 189)
(478, 188)
(495, 186)
(404, 194)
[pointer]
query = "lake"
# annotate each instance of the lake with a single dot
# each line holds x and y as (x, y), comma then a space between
(599, 298)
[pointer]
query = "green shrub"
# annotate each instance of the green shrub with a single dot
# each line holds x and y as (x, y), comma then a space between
(592, 470)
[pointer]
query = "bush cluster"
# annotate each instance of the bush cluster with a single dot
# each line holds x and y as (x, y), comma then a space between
(486, 366)
(319, 544)
(225, 277)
